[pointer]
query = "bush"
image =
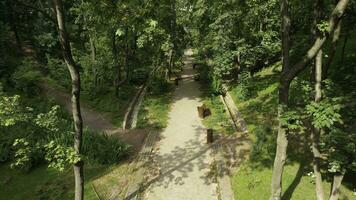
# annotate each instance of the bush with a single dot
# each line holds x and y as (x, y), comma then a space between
(5, 152)
(58, 72)
(242, 90)
(104, 149)
(26, 78)
(27, 154)
(158, 85)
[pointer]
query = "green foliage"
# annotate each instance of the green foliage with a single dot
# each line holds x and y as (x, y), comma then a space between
(5, 150)
(27, 155)
(11, 111)
(340, 147)
(324, 114)
(292, 119)
(48, 137)
(26, 78)
(242, 89)
(323, 27)
(158, 85)
(104, 149)
(58, 71)
(59, 156)
(264, 148)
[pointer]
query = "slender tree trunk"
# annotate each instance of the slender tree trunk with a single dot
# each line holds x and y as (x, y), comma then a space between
(344, 48)
(126, 60)
(116, 64)
(335, 41)
(174, 38)
(170, 63)
(13, 24)
(282, 138)
(335, 187)
(315, 133)
(75, 76)
(93, 59)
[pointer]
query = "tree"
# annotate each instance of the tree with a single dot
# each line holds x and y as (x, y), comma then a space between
(286, 77)
(282, 140)
(75, 76)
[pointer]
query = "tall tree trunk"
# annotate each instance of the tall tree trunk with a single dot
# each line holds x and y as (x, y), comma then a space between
(12, 23)
(116, 64)
(127, 52)
(126, 61)
(75, 76)
(344, 48)
(282, 138)
(315, 133)
(93, 59)
(174, 38)
(335, 187)
(335, 41)
(287, 75)
(170, 64)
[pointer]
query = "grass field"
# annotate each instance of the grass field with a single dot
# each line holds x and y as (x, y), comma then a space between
(44, 183)
(257, 102)
(154, 110)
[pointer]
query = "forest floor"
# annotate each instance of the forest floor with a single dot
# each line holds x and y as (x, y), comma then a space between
(182, 158)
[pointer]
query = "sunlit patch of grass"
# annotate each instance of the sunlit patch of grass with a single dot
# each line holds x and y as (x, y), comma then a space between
(154, 111)
(254, 184)
(219, 118)
(113, 183)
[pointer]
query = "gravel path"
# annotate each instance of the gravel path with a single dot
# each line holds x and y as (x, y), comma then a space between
(183, 157)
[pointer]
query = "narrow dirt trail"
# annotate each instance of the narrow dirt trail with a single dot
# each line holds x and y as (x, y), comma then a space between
(183, 157)
(96, 120)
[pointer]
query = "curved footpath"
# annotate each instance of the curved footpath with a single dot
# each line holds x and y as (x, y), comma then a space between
(182, 156)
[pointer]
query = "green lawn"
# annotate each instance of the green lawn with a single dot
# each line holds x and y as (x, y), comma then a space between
(154, 110)
(257, 102)
(254, 184)
(44, 183)
(219, 118)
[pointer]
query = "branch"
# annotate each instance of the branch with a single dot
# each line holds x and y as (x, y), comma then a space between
(44, 13)
(289, 74)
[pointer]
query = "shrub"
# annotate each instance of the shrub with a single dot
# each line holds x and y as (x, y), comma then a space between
(104, 149)
(158, 85)
(58, 71)
(26, 78)
(5, 152)
(242, 90)
(27, 154)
